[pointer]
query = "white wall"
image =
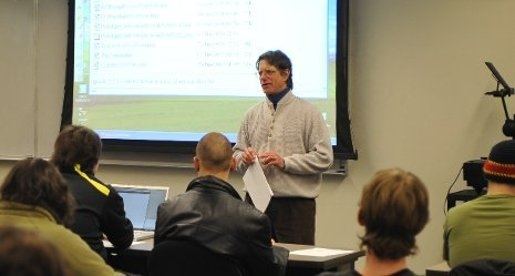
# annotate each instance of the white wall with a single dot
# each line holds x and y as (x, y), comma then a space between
(416, 88)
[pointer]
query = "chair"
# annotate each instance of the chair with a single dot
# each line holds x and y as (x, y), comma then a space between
(484, 267)
(187, 258)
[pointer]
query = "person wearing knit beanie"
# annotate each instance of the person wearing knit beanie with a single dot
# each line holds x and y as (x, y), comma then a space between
(484, 228)
(500, 166)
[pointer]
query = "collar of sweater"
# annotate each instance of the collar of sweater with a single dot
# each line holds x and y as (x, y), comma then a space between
(287, 98)
(275, 98)
(20, 209)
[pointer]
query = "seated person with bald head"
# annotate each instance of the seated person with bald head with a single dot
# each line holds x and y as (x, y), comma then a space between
(212, 214)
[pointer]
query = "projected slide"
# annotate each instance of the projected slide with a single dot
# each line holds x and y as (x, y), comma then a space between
(176, 69)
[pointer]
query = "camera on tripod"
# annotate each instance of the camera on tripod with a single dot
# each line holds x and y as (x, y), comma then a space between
(473, 175)
(473, 169)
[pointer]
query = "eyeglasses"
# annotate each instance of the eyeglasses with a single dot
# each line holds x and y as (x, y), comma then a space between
(266, 72)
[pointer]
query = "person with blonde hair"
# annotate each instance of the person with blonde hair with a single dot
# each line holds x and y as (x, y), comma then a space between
(394, 208)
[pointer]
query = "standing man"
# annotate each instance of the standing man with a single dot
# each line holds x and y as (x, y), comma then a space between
(290, 138)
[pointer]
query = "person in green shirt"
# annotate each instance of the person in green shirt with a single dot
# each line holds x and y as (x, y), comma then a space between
(484, 228)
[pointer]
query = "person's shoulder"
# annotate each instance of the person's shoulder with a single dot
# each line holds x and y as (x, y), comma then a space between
(178, 203)
(112, 190)
(249, 213)
(170, 202)
(83, 261)
(249, 208)
(464, 209)
(305, 105)
(58, 233)
(255, 108)
(241, 210)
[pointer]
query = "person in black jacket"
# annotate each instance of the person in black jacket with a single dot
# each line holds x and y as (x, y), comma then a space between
(212, 214)
(100, 209)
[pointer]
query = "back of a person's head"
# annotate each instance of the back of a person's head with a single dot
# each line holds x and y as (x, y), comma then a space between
(77, 145)
(214, 152)
(25, 253)
(500, 165)
(36, 182)
(393, 209)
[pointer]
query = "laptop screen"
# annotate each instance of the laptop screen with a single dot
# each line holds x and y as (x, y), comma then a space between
(141, 204)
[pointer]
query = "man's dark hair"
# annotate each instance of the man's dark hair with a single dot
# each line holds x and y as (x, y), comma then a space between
(25, 253)
(393, 209)
(214, 152)
(38, 183)
(77, 145)
(280, 60)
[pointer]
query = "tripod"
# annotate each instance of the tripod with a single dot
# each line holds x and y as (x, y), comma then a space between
(473, 170)
(508, 128)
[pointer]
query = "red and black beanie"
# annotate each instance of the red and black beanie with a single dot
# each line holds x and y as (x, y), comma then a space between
(500, 166)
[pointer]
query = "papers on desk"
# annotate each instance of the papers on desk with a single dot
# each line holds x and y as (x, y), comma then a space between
(320, 252)
(257, 186)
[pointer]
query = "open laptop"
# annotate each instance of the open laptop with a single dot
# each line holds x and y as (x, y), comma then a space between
(141, 204)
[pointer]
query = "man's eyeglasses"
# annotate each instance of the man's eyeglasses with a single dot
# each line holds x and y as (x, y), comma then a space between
(266, 72)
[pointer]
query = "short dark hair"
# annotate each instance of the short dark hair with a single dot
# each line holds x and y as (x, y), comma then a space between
(280, 60)
(77, 145)
(24, 253)
(214, 152)
(38, 183)
(393, 209)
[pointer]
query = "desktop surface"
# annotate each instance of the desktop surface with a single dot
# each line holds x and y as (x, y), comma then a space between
(134, 259)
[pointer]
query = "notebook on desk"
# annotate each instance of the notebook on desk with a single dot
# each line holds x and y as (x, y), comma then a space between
(141, 204)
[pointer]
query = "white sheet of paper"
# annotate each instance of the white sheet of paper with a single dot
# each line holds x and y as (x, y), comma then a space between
(257, 186)
(320, 252)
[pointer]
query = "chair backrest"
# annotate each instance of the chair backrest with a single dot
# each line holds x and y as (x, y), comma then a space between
(187, 258)
(485, 267)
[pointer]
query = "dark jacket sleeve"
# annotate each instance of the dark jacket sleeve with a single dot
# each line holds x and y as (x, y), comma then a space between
(266, 259)
(159, 236)
(114, 224)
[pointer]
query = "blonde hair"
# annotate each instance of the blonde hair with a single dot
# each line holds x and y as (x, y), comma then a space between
(393, 209)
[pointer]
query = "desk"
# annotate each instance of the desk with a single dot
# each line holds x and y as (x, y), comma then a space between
(134, 260)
